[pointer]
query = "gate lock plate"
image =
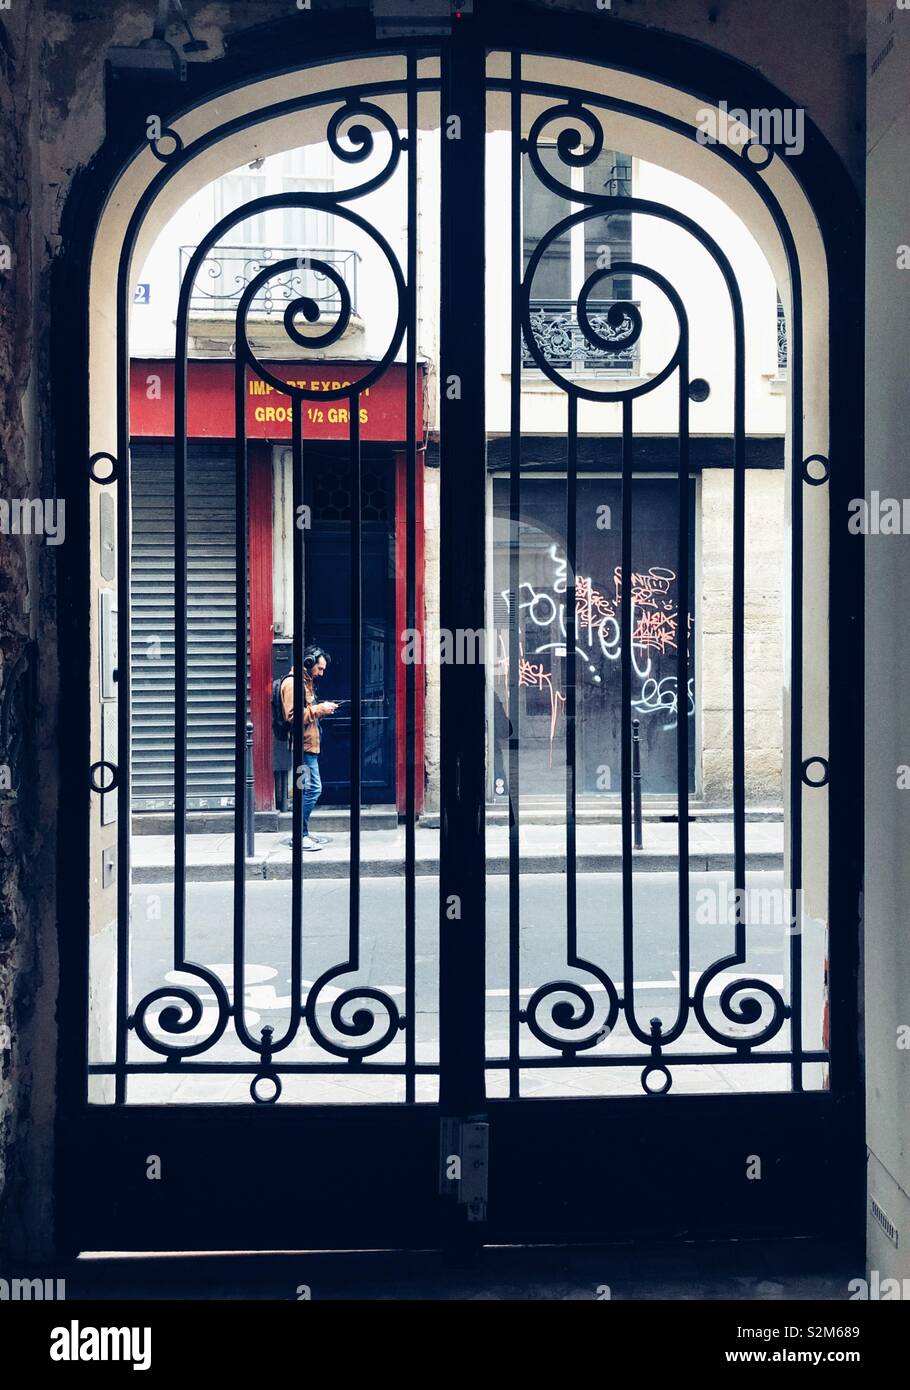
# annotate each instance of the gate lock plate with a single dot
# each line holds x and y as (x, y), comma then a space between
(464, 1164)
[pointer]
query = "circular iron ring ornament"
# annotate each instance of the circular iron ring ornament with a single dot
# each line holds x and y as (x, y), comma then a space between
(656, 1069)
(809, 476)
(759, 165)
(165, 156)
(94, 777)
(619, 314)
(301, 304)
(92, 467)
(823, 764)
(564, 1013)
(273, 1079)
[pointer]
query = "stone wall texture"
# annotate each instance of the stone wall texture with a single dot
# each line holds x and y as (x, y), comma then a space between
(767, 562)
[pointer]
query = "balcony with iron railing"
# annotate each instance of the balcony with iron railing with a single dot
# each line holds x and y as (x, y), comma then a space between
(782, 351)
(228, 270)
(562, 342)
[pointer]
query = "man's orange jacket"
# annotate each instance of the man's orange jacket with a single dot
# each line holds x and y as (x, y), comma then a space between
(310, 721)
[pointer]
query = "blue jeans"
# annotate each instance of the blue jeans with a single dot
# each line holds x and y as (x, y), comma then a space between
(312, 787)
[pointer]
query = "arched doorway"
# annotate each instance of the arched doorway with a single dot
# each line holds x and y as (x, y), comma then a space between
(448, 1145)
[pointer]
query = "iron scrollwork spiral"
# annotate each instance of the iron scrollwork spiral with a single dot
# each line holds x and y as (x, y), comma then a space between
(358, 1037)
(310, 309)
(569, 1006)
(363, 1019)
(573, 1014)
(618, 330)
(306, 307)
(570, 147)
(624, 319)
(362, 140)
(173, 1022)
(740, 1003)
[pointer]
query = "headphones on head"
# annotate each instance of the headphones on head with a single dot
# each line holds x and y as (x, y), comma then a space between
(312, 655)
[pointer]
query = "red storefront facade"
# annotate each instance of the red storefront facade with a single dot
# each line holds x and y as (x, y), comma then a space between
(210, 435)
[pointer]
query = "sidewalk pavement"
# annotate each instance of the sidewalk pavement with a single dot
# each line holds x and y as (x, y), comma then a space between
(543, 851)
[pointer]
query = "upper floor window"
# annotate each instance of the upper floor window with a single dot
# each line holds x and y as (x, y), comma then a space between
(234, 191)
(307, 170)
(572, 257)
(304, 170)
(279, 234)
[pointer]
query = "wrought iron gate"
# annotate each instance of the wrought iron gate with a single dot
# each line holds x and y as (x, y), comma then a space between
(590, 1160)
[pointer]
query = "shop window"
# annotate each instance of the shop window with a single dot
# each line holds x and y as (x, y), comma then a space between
(662, 618)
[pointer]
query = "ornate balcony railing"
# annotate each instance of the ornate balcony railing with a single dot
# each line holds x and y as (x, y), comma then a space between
(619, 184)
(227, 270)
(563, 343)
(781, 341)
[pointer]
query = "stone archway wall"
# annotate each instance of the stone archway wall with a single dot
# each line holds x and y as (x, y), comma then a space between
(54, 124)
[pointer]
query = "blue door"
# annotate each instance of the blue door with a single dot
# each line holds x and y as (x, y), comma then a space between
(328, 610)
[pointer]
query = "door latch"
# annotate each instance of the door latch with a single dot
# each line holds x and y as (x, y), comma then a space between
(464, 1163)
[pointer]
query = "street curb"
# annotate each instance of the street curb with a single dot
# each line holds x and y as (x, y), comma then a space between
(270, 870)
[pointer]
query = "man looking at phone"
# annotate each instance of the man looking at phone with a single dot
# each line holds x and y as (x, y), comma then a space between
(315, 661)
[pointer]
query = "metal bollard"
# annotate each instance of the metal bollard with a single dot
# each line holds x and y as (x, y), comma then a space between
(636, 785)
(249, 797)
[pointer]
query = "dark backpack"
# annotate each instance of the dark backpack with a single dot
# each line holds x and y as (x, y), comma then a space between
(280, 727)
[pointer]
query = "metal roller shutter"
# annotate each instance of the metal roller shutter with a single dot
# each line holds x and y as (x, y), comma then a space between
(211, 626)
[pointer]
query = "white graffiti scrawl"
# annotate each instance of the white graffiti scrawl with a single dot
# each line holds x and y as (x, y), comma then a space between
(597, 636)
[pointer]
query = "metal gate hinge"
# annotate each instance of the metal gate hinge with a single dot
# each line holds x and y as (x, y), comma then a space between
(464, 1163)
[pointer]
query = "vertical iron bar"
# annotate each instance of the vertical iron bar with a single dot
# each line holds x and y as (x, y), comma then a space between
(180, 642)
(410, 687)
(462, 582)
(626, 693)
(241, 509)
(512, 695)
(570, 623)
(796, 682)
(738, 646)
(682, 679)
(297, 649)
(356, 679)
(628, 928)
(124, 682)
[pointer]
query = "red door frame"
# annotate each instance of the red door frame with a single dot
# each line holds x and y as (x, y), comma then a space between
(261, 624)
(401, 548)
(261, 620)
